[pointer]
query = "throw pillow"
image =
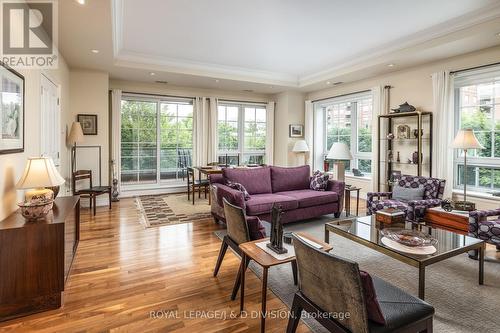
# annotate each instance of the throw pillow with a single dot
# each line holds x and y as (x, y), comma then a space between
(239, 187)
(319, 181)
(372, 306)
(407, 193)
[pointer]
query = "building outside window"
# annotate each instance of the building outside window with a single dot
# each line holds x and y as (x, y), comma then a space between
(348, 119)
(241, 133)
(477, 106)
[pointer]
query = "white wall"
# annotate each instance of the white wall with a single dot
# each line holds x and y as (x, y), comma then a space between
(89, 95)
(289, 110)
(415, 86)
(12, 165)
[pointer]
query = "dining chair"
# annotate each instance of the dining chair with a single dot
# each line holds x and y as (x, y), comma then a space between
(90, 192)
(194, 184)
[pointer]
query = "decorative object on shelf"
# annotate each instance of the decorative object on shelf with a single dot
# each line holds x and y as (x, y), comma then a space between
(395, 176)
(390, 215)
(11, 111)
(276, 240)
(415, 133)
(339, 152)
(390, 136)
(114, 189)
(409, 161)
(405, 107)
(414, 157)
(296, 131)
(88, 122)
(390, 155)
(403, 132)
(75, 136)
(465, 140)
(412, 238)
(301, 149)
(357, 173)
(39, 173)
(398, 158)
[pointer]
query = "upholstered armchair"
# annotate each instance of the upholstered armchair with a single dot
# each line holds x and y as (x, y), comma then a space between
(485, 225)
(414, 209)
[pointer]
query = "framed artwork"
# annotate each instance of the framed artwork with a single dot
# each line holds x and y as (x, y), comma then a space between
(11, 111)
(89, 123)
(296, 131)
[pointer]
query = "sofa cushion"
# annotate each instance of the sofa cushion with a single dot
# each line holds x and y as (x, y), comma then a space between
(239, 187)
(319, 181)
(309, 198)
(289, 179)
(262, 203)
(406, 194)
(255, 180)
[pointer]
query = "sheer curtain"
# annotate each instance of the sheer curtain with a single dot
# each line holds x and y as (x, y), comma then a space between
(116, 117)
(380, 96)
(444, 128)
(309, 131)
(270, 133)
(200, 131)
(212, 139)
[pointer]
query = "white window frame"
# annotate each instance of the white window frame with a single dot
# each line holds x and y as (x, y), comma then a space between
(241, 152)
(357, 155)
(486, 75)
(158, 100)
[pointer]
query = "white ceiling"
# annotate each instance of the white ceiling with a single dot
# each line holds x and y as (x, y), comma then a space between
(262, 43)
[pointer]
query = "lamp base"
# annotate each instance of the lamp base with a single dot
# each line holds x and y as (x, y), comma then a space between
(38, 195)
(464, 205)
(339, 171)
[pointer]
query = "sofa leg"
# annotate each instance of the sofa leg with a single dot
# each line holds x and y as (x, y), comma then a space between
(337, 214)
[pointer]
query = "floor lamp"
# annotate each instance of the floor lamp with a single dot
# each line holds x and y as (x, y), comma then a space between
(465, 140)
(75, 136)
(339, 152)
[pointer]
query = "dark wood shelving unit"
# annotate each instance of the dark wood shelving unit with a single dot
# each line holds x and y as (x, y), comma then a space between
(388, 144)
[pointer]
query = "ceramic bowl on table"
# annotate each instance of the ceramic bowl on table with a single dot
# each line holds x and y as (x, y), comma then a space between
(412, 238)
(35, 210)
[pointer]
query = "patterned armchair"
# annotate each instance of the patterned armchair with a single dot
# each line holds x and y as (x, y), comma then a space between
(414, 209)
(485, 225)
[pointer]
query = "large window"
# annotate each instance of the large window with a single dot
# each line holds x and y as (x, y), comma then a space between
(241, 133)
(477, 106)
(349, 119)
(156, 140)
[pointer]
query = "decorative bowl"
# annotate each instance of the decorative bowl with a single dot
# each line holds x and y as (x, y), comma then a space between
(35, 211)
(413, 238)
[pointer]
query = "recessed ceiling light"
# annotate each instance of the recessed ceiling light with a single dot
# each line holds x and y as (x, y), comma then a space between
(95, 51)
(390, 65)
(328, 82)
(271, 87)
(162, 82)
(247, 90)
(152, 73)
(217, 80)
(81, 2)
(498, 34)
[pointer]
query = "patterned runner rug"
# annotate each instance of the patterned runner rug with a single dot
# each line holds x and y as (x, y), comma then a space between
(160, 210)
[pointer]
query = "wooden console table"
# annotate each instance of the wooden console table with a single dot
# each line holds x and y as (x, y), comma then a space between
(453, 221)
(36, 257)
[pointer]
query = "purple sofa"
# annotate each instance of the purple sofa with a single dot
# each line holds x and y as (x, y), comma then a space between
(268, 185)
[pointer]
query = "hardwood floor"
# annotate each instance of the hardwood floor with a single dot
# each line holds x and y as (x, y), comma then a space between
(123, 273)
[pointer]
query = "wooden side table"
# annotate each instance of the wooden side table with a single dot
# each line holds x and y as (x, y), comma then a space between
(453, 221)
(347, 195)
(252, 252)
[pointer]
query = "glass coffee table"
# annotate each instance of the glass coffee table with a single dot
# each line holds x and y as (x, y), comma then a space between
(367, 231)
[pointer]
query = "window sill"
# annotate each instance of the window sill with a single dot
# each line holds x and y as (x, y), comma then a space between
(365, 178)
(479, 195)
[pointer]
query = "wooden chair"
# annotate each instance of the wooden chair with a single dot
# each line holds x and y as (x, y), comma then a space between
(194, 184)
(332, 285)
(90, 192)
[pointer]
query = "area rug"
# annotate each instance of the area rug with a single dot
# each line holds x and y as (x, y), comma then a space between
(169, 209)
(461, 304)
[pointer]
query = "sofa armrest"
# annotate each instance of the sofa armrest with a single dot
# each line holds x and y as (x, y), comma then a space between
(233, 196)
(339, 188)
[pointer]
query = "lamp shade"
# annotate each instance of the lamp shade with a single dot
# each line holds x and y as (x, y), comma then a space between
(466, 139)
(300, 146)
(39, 172)
(76, 133)
(339, 151)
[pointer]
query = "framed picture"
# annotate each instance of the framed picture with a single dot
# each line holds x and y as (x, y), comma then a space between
(403, 132)
(11, 111)
(296, 131)
(89, 123)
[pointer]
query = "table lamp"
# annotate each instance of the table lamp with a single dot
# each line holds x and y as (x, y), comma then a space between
(339, 152)
(465, 140)
(75, 136)
(300, 148)
(39, 173)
